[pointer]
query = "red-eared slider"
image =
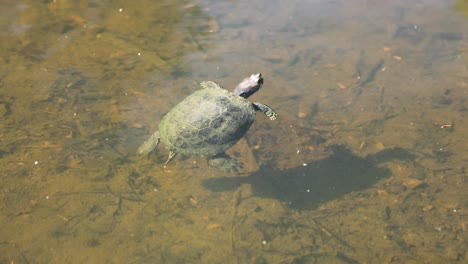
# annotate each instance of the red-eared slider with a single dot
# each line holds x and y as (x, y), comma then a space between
(210, 121)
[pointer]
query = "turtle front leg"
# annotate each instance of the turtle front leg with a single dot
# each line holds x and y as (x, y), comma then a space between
(266, 110)
(150, 144)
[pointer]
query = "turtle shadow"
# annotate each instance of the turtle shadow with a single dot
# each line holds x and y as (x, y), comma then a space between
(307, 187)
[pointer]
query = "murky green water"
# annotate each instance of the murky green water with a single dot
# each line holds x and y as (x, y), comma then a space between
(366, 162)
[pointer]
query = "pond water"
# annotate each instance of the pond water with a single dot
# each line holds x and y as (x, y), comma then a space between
(366, 162)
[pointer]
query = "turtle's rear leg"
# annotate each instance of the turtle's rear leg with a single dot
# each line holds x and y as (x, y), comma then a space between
(150, 144)
(225, 163)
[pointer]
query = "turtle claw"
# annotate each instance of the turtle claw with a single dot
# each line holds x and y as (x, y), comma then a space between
(171, 155)
(225, 163)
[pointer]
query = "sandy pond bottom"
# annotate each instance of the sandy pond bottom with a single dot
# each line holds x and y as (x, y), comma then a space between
(366, 162)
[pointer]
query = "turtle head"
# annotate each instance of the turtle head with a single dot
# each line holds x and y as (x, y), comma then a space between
(249, 85)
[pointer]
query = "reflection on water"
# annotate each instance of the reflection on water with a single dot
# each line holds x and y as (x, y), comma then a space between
(365, 163)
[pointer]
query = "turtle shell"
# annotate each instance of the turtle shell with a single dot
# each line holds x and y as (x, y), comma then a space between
(206, 123)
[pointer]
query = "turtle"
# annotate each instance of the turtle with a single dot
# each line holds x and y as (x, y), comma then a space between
(208, 122)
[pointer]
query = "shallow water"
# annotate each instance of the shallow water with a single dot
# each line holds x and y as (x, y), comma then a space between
(365, 163)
